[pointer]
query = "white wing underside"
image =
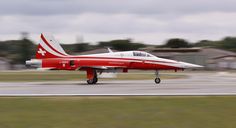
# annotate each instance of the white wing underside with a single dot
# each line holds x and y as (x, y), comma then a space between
(103, 67)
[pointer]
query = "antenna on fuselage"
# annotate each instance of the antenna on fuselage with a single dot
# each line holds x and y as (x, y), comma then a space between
(109, 50)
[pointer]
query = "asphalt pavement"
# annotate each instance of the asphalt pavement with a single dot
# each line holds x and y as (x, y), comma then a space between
(195, 84)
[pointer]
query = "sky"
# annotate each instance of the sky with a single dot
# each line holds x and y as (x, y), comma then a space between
(145, 21)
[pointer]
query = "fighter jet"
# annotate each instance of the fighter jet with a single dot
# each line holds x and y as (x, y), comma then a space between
(51, 56)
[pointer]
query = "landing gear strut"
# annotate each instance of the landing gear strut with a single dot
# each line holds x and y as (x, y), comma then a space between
(157, 79)
(92, 76)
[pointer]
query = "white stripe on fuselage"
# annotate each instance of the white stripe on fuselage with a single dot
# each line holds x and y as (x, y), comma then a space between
(110, 57)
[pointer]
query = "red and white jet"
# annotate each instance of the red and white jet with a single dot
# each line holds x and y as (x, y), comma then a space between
(51, 56)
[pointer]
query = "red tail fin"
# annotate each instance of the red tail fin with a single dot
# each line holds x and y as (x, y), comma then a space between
(49, 48)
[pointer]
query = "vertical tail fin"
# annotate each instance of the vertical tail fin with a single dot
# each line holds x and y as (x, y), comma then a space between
(49, 48)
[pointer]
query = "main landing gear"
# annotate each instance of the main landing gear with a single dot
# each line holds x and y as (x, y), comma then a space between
(157, 79)
(92, 76)
(92, 81)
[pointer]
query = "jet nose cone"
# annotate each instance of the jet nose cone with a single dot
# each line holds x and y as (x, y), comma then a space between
(189, 65)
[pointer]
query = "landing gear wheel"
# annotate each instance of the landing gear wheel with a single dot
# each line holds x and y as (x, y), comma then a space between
(91, 76)
(95, 80)
(92, 81)
(157, 80)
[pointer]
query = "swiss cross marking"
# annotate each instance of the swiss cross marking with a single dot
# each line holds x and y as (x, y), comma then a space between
(42, 52)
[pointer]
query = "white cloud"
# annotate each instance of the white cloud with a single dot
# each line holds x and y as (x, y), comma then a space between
(150, 21)
(51, 7)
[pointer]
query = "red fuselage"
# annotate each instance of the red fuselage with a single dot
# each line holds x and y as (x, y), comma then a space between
(100, 62)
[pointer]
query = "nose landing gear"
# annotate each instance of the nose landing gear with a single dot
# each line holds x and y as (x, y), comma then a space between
(157, 79)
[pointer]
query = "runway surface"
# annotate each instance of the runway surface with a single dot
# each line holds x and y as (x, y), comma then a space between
(194, 84)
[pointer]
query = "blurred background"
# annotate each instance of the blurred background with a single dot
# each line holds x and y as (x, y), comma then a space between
(214, 55)
(195, 31)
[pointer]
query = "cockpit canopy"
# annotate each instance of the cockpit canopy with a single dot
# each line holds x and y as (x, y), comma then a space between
(142, 54)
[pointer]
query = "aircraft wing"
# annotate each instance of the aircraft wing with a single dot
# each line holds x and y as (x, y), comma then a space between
(102, 67)
(45, 69)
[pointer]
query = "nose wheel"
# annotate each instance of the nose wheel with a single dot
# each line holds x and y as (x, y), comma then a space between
(157, 79)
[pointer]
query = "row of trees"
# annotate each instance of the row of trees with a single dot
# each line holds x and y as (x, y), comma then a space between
(20, 50)
(120, 45)
(228, 43)
(17, 50)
